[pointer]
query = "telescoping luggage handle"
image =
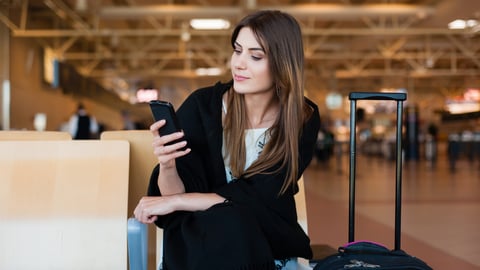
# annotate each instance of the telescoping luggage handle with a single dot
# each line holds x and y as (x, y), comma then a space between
(399, 98)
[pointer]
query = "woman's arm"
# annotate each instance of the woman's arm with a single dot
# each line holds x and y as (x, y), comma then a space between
(149, 208)
(169, 181)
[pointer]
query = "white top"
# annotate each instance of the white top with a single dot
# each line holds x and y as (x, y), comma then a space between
(255, 140)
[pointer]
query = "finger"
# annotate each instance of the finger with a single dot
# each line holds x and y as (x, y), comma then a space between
(140, 208)
(151, 219)
(165, 156)
(157, 125)
(177, 146)
(142, 216)
(171, 137)
(137, 213)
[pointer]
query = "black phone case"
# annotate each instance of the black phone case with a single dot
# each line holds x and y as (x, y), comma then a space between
(164, 110)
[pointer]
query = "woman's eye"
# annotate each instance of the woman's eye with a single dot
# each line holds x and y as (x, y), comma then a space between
(256, 58)
(237, 51)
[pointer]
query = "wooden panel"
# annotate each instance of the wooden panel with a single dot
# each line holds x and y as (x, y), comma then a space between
(21, 135)
(301, 215)
(142, 161)
(63, 204)
(301, 205)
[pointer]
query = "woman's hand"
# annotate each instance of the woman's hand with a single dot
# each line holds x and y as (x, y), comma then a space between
(149, 208)
(166, 154)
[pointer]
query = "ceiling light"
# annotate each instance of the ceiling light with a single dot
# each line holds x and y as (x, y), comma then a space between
(209, 24)
(456, 24)
(462, 24)
(214, 71)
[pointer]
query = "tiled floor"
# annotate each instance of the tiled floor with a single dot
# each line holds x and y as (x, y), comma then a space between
(440, 211)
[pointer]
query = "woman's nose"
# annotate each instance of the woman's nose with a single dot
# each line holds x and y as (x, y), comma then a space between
(238, 61)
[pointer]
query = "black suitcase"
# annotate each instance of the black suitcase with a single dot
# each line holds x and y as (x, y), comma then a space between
(364, 254)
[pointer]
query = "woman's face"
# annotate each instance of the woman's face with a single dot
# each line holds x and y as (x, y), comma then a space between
(250, 65)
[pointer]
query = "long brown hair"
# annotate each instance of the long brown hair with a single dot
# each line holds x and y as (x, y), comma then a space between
(280, 37)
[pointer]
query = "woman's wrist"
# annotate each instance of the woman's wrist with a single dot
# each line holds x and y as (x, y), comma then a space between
(169, 182)
(176, 202)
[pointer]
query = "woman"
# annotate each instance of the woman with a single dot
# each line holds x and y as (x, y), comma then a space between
(227, 201)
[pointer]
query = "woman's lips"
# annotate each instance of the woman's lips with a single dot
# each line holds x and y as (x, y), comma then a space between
(239, 78)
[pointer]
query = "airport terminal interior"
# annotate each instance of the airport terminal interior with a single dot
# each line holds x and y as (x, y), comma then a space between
(439, 210)
(113, 56)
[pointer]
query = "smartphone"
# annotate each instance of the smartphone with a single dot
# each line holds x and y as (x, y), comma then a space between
(164, 110)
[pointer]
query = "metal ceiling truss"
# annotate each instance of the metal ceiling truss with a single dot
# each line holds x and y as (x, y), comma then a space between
(346, 41)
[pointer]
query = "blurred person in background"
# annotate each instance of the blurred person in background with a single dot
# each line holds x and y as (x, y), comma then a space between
(83, 126)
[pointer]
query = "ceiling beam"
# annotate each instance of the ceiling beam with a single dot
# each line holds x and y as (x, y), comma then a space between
(325, 11)
(178, 11)
(348, 12)
(387, 31)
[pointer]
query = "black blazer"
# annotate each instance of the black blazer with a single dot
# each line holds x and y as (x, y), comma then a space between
(255, 199)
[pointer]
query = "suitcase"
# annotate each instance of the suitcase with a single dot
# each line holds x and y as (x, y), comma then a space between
(137, 238)
(365, 254)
